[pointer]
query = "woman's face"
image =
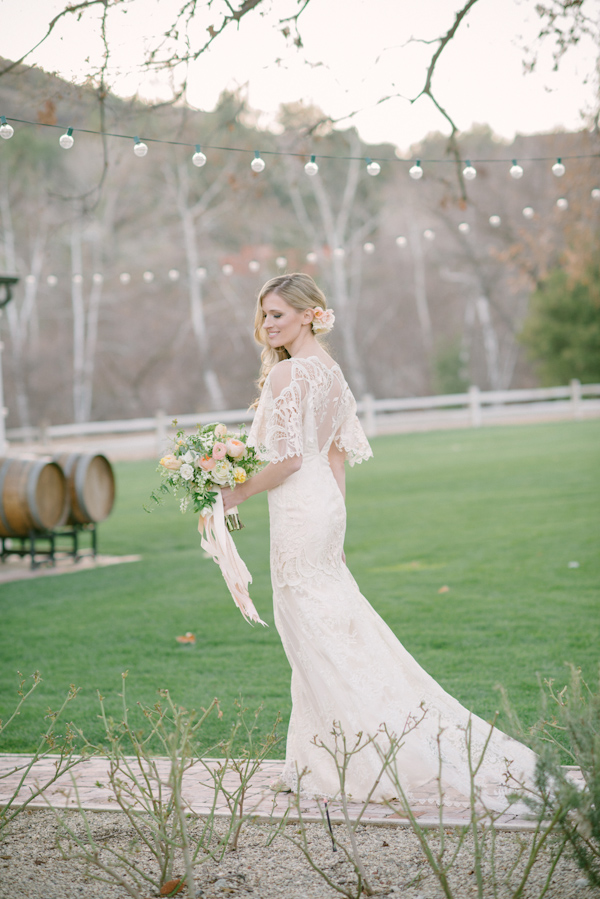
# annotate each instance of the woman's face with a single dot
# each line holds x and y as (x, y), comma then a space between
(281, 322)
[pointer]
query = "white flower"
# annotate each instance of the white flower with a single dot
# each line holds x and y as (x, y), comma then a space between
(183, 505)
(187, 457)
(221, 473)
(187, 472)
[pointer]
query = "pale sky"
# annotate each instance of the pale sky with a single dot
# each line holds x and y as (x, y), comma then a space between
(363, 51)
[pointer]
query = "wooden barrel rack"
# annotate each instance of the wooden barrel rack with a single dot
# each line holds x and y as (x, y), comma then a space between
(48, 505)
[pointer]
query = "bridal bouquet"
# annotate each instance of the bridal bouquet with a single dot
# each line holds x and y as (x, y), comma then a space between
(208, 459)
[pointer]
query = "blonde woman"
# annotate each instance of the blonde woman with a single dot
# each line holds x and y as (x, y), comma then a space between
(347, 665)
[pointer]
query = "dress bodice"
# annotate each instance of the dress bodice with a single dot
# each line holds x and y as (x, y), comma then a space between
(304, 407)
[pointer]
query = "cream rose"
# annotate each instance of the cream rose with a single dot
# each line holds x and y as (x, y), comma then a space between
(171, 462)
(221, 472)
(239, 475)
(186, 471)
(220, 431)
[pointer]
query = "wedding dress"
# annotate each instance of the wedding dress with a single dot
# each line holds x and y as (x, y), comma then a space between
(347, 665)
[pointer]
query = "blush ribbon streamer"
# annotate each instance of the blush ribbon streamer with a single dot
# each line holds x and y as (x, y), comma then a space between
(218, 543)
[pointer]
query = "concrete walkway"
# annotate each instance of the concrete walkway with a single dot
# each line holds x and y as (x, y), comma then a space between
(94, 794)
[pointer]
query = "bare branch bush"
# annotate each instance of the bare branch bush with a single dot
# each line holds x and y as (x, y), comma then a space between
(52, 745)
(167, 833)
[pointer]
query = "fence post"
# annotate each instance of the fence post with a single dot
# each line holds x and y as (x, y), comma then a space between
(369, 422)
(475, 406)
(575, 386)
(161, 432)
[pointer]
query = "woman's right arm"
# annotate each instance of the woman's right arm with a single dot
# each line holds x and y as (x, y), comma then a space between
(272, 476)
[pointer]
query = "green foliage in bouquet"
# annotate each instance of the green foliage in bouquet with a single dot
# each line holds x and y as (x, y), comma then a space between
(207, 459)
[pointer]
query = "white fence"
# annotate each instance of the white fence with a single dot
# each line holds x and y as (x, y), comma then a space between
(148, 436)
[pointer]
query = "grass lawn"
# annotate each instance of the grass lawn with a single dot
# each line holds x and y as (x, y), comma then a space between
(495, 514)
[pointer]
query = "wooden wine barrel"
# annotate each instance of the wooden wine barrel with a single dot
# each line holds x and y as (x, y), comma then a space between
(32, 495)
(90, 487)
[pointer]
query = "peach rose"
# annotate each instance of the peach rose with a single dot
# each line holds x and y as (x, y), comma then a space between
(207, 463)
(235, 448)
(220, 431)
(323, 320)
(171, 462)
(219, 451)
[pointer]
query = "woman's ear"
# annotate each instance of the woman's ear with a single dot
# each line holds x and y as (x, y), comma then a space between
(307, 316)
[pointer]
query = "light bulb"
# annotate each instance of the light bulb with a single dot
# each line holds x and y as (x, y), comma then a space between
(369, 247)
(124, 277)
(140, 149)
(428, 234)
(148, 277)
(516, 171)
(6, 130)
(495, 221)
(257, 164)
(373, 168)
(558, 168)
(67, 140)
(339, 252)
(416, 171)
(311, 257)
(528, 212)
(199, 158)
(173, 275)
(77, 279)
(311, 168)
(201, 273)
(254, 265)
(562, 203)
(227, 269)
(281, 262)
(595, 193)
(52, 280)
(464, 227)
(30, 279)
(401, 241)
(469, 171)
(97, 278)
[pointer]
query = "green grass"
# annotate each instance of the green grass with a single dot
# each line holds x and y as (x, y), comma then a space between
(495, 514)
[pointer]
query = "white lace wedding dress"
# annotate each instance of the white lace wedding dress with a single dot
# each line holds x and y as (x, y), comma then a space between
(347, 665)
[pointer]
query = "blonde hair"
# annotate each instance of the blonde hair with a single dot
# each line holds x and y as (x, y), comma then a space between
(297, 290)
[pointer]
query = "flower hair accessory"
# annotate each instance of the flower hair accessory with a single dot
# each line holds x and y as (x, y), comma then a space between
(323, 320)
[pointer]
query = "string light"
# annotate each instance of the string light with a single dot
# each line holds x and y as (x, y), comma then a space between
(51, 280)
(369, 248)
(257, 165)
(469, 171)
(558, 168)
(30, 279)
(528, 212)
(67, 140)
(495, 221)
(562, 203)
(254, 266)
(227, 269)
(6, 130)
(139, 148)
(148, 277)
(311, 257)
(199, 158)
(281, 262)
(339, 252)
(401, 241)
(428, 234)
(464, 227)
(311, 168)
(373, 168)
(77, 279)
(124, 277)
(416, 172)
(595, 193)
(97, 278)
(173, 275)
(201, 273)
(515, 171)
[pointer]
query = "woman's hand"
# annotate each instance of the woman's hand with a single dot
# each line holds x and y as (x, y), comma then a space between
(232, 498)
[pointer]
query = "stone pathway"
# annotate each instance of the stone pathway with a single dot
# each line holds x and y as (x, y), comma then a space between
(94, 795)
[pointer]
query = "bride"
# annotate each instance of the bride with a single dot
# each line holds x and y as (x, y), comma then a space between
(347, 665)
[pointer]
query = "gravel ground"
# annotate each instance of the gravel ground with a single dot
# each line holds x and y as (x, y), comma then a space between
(31, 866)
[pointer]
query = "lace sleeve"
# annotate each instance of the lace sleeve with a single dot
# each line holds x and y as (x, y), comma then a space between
(350, 437)
(276, 431)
